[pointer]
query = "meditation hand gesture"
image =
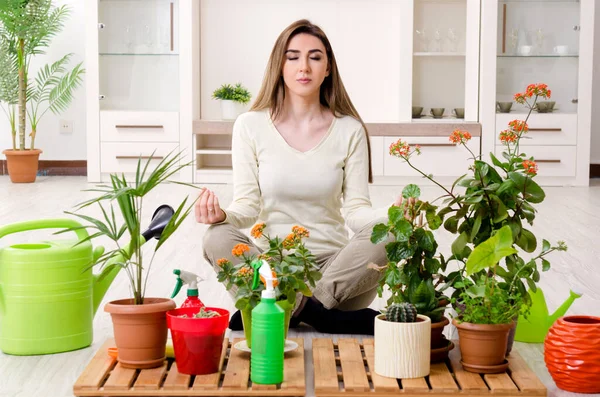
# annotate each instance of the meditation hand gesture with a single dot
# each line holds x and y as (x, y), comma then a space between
(207, 208)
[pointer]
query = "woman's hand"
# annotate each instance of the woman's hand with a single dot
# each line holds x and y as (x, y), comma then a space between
(411, 203)
(207, 208)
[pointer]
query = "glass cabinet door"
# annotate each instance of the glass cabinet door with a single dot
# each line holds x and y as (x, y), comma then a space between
(139, 55)
(439, 59)
(538, 42)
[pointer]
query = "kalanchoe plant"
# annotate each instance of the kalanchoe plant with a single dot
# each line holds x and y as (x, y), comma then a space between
(490, 217)
(293, 265)
(412, 265)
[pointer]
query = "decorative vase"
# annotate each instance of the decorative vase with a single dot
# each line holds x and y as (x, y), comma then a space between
(247, 320)
(402, 350)
(231, 109)
(483, 346)
(22, 164)
(140, 331)
(572, 353)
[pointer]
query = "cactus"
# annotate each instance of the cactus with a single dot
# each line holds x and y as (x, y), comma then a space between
(401, 313)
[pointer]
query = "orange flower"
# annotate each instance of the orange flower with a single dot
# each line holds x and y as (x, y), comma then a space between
(221, 262)
(400, 149)
(300, 232)
(530, 167)
(457, 137)
(540, 90)
(508, 136)
(257, 230)
(519, 98)
(289, 241)
(245, 271)
(518, 126)
(239, 250)
(275, 281)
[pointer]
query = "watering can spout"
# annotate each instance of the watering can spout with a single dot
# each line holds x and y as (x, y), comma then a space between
(562, 310)
(160, 220)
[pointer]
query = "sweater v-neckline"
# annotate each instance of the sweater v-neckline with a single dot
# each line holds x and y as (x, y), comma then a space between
(293, 149)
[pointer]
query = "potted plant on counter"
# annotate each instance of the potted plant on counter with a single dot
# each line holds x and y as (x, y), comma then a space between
(413, 266)
(490, 218)
(293, 265)
(139, 322)
(232, 100)
(27, 27)
(402, 342)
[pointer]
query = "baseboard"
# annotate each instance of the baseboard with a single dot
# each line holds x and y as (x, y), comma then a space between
(55, 168)
(594, 170)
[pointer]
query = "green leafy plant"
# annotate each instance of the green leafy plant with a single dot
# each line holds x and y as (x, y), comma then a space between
(237, 93)
(128, 198)
(490, 218)
(26, 28)
(412, 263)
(293, 265)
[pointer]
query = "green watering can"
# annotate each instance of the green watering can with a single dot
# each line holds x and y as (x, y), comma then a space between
(534, 328)
(48, 293)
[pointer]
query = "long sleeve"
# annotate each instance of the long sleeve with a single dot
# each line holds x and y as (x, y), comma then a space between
(357, 208)
(245, 207)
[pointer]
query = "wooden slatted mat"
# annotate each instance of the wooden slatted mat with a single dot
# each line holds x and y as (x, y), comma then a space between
(345, 368)
(104, 376)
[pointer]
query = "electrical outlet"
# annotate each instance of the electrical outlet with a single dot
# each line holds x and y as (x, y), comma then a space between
(66, 126)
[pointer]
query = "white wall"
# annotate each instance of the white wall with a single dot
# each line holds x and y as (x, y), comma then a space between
(57, 146)
(595, 149)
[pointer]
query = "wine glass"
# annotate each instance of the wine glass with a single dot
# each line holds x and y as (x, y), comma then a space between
(422, 35)
(437, 36)
(514, 39)
(452, 38)
(539, 40)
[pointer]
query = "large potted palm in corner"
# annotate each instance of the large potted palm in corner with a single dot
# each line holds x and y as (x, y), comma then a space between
(26, 29)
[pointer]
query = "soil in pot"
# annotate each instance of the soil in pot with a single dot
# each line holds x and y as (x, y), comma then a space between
(140, 331)
(197, 342)
(483, 346)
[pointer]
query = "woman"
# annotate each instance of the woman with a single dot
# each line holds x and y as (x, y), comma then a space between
(301, 156)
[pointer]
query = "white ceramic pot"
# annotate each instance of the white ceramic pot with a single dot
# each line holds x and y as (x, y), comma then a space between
(402, 350)
(231, 109)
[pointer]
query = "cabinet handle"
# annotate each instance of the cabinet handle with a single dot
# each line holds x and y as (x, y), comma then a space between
(432, 144)
(171, 27)
(139, 126)
(139, 157)
(548, 161)
(546, 129)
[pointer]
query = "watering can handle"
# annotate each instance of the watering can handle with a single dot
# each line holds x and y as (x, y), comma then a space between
(45, 224)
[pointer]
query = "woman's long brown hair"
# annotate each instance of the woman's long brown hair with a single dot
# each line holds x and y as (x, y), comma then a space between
(333, 93)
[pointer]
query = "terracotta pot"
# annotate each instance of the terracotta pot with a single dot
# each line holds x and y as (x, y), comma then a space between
(511, 336)
(437, 335)
(572, 353)
(22, 164)
(402, 350)
(140, 331)
(483, 346)
(247, 320)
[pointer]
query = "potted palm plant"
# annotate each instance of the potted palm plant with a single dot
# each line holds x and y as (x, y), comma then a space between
(139, 322)
(26, 28)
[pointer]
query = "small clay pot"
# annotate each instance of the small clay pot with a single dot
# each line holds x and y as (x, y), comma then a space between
(140, 331)
(437, 337)
(572, 353)
(483, 346)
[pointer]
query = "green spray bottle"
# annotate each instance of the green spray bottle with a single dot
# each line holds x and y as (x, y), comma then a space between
(268, 340)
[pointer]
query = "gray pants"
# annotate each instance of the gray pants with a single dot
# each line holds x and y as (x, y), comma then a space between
(347, 282)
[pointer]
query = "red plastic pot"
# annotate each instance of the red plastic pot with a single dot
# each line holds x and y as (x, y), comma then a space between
(572, 353)
(197, 342)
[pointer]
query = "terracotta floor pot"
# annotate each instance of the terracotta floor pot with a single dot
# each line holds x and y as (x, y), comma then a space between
(140, 331)
(22, 165)
(483, 346)
(572, 353)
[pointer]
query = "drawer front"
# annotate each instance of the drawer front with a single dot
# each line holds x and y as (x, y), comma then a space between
(551, 160)
(378, 153)
(544, 129)
(123, 157)
(438, 157)
(118, 126)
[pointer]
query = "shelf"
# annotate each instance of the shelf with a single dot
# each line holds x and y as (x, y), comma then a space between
(215, 170)
(538, 56)
(138, 54)
(439, 54)
(226, 151)
(443, 120)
